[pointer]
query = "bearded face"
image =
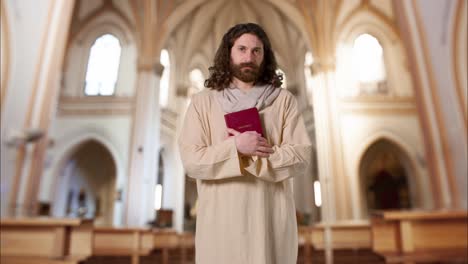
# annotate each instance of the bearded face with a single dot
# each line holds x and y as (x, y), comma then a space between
(247, 72)
(247, 58)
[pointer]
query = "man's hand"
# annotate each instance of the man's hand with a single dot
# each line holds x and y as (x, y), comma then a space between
(251, 143)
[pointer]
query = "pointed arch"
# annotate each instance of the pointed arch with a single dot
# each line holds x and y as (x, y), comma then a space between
(385, 176)
(103, 66)
(398, 80)
(417, 183)
(72, 144)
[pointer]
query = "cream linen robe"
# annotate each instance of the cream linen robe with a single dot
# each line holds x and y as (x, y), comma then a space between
(246, 212)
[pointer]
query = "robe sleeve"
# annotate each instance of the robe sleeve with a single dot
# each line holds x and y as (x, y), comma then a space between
(291, 156)
(202, 160)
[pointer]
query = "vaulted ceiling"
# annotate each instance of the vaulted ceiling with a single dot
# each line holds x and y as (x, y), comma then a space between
(191, 30)
(195, 37)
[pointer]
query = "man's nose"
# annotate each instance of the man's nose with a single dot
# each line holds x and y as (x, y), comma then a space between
(249, 57)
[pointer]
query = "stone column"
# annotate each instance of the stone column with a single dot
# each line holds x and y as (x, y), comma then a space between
(31, 105)
(424, 26)
(324, 135)
(182, 101)
(323, 87)
(145, 144)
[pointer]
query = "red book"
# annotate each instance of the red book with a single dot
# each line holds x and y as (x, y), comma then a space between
(244, 120)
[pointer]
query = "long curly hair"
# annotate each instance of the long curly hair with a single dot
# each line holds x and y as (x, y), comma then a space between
(221, 73)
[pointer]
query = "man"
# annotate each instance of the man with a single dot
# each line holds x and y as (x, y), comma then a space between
(246, 212)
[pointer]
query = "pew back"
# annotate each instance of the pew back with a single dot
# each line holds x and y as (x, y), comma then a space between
(32, 239)
(420, 236)
(344, 235)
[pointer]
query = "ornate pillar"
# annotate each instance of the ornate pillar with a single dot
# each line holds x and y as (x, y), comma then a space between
(324, 134)
(26, 171)
(329, 142)
(322, 98)
(441, 117)
(182, 101)
(145, 143)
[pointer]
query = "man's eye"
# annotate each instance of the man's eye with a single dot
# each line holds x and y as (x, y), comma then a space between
(242, 48)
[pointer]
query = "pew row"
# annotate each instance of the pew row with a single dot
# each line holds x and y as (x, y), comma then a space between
(397, 236)
(45, 240)
(350, 243)
(344, 235)
(134, 242)
(305, 243)
(412, 236)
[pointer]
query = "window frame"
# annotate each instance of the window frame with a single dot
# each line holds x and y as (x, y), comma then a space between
(92, 43)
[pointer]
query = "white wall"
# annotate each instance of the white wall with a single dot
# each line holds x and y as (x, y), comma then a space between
(360, 131)
(436, 17)
(78, 55)
(68, 132)
(114, 129)
(27, 22)
(363, 119)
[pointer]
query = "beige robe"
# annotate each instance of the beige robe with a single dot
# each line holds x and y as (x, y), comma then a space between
(246, 212)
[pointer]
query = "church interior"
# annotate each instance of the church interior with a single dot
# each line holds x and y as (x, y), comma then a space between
(94, 92)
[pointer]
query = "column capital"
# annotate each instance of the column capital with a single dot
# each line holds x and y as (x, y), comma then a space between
(150, 65)
(322, 65)
(144, 64)
(182, 90)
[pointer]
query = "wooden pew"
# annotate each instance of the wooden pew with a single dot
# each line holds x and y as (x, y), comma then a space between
(305, 242)
(112, 241)
(133, 242)
(345, 235)
(186, 243)
(45, 240)
(165, 240)
(415, 236)
(350, 242)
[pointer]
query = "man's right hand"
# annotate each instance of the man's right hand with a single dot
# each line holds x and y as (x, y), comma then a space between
(251, 143)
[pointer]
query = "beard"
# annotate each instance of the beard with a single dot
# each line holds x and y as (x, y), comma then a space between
(246, 72)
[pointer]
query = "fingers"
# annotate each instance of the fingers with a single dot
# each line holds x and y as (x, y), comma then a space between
(267, 150)
(261, 154)
(264, 150)
(234, 132)
(264, 144)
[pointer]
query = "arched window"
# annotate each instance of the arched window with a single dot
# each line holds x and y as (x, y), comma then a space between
(197, 82)
(368, 63)
(285, 84)
(196, 79)
(103, 66)
(164, 82)
(308, 61)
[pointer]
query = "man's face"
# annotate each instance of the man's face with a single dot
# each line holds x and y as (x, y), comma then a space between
(247, 58)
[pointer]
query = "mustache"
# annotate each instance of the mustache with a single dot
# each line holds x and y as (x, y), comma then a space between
(248, 64)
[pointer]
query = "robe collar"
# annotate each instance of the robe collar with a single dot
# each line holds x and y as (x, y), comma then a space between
(232, 99)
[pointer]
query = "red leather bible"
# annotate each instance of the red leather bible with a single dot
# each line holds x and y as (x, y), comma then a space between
(244, 120)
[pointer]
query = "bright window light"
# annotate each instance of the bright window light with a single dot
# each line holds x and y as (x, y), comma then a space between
(318, 194)
(368, 64)
(103, 66)
(164, 82)
(285, 84)
(158, 197)
(308, 61)
(196, 78)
